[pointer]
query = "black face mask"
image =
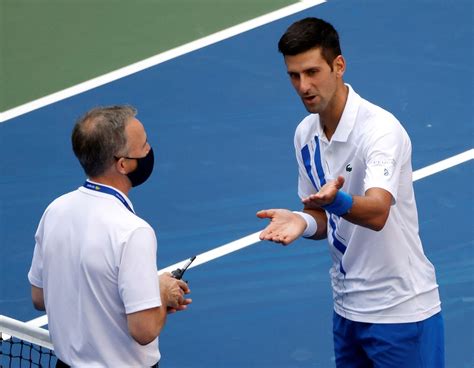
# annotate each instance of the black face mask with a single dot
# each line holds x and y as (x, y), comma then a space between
(143, 170)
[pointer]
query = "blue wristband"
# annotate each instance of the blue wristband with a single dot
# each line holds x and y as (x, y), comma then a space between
(341, 204)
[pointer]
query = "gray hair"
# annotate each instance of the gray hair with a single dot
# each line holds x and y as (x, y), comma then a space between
(99, 136)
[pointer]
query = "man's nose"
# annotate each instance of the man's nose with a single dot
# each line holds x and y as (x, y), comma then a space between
(304, 84)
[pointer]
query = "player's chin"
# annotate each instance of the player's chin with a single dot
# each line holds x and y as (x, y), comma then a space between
(312, 108)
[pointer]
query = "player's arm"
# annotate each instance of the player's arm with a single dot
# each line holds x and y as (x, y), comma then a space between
(321, 222)
(286, 226)
(37, 297)
(386, 148)
(370, 211)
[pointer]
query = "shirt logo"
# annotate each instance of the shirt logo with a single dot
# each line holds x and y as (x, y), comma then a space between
(348, 168)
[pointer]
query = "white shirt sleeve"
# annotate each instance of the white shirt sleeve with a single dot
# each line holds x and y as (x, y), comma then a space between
(386, 154)
(35, 275)
(138, 281)
(305, 186)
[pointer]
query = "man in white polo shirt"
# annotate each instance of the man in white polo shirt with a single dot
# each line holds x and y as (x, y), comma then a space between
(355, 181)
(94, 264)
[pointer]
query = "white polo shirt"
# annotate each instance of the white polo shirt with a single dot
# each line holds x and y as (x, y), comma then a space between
(96, 263)
(377, 277)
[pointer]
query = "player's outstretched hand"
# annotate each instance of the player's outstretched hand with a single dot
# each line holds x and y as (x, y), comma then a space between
(325, 196)
(284, 227)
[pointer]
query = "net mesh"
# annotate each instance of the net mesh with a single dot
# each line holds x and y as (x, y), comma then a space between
(24, 346)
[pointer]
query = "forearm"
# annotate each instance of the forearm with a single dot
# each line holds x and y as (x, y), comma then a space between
(370, 211)
(146, 325)
(321, 221)
(166, 303)
(37, 297)
(162, 316)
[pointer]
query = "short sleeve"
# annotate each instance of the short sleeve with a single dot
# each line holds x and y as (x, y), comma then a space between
(35, 275)
(305, 186)
(386, 154)
(138, 275)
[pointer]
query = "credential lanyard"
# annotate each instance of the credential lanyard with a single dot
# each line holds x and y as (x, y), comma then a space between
(107, 190)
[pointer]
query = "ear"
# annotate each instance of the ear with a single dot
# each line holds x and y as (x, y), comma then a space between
(121, 166)
(339, 65)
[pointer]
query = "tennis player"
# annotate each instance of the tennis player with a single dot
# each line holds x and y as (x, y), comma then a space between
(94, 264)
(355, 181)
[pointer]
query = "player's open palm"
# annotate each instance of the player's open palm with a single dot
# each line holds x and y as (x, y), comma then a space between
(325, 196)
(284, 227)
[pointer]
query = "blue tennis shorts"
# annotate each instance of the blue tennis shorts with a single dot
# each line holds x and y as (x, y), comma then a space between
(387, 345)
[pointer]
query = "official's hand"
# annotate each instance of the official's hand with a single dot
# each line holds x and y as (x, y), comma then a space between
(173, 293)
(285, 226)
(325, 196)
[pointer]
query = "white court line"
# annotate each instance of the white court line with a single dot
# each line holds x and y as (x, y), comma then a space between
(158, 59)
(217, 252)
(443, 165)
(254, 238)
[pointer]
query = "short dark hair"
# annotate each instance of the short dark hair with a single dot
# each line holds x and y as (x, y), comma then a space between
(309, 33)
(99, 136)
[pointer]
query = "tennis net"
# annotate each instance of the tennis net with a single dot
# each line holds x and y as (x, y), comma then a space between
(24, 346)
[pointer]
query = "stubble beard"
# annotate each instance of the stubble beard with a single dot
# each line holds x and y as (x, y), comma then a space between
(314, 108)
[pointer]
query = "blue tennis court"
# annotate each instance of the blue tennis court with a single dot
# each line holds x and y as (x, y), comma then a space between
(221, 120)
